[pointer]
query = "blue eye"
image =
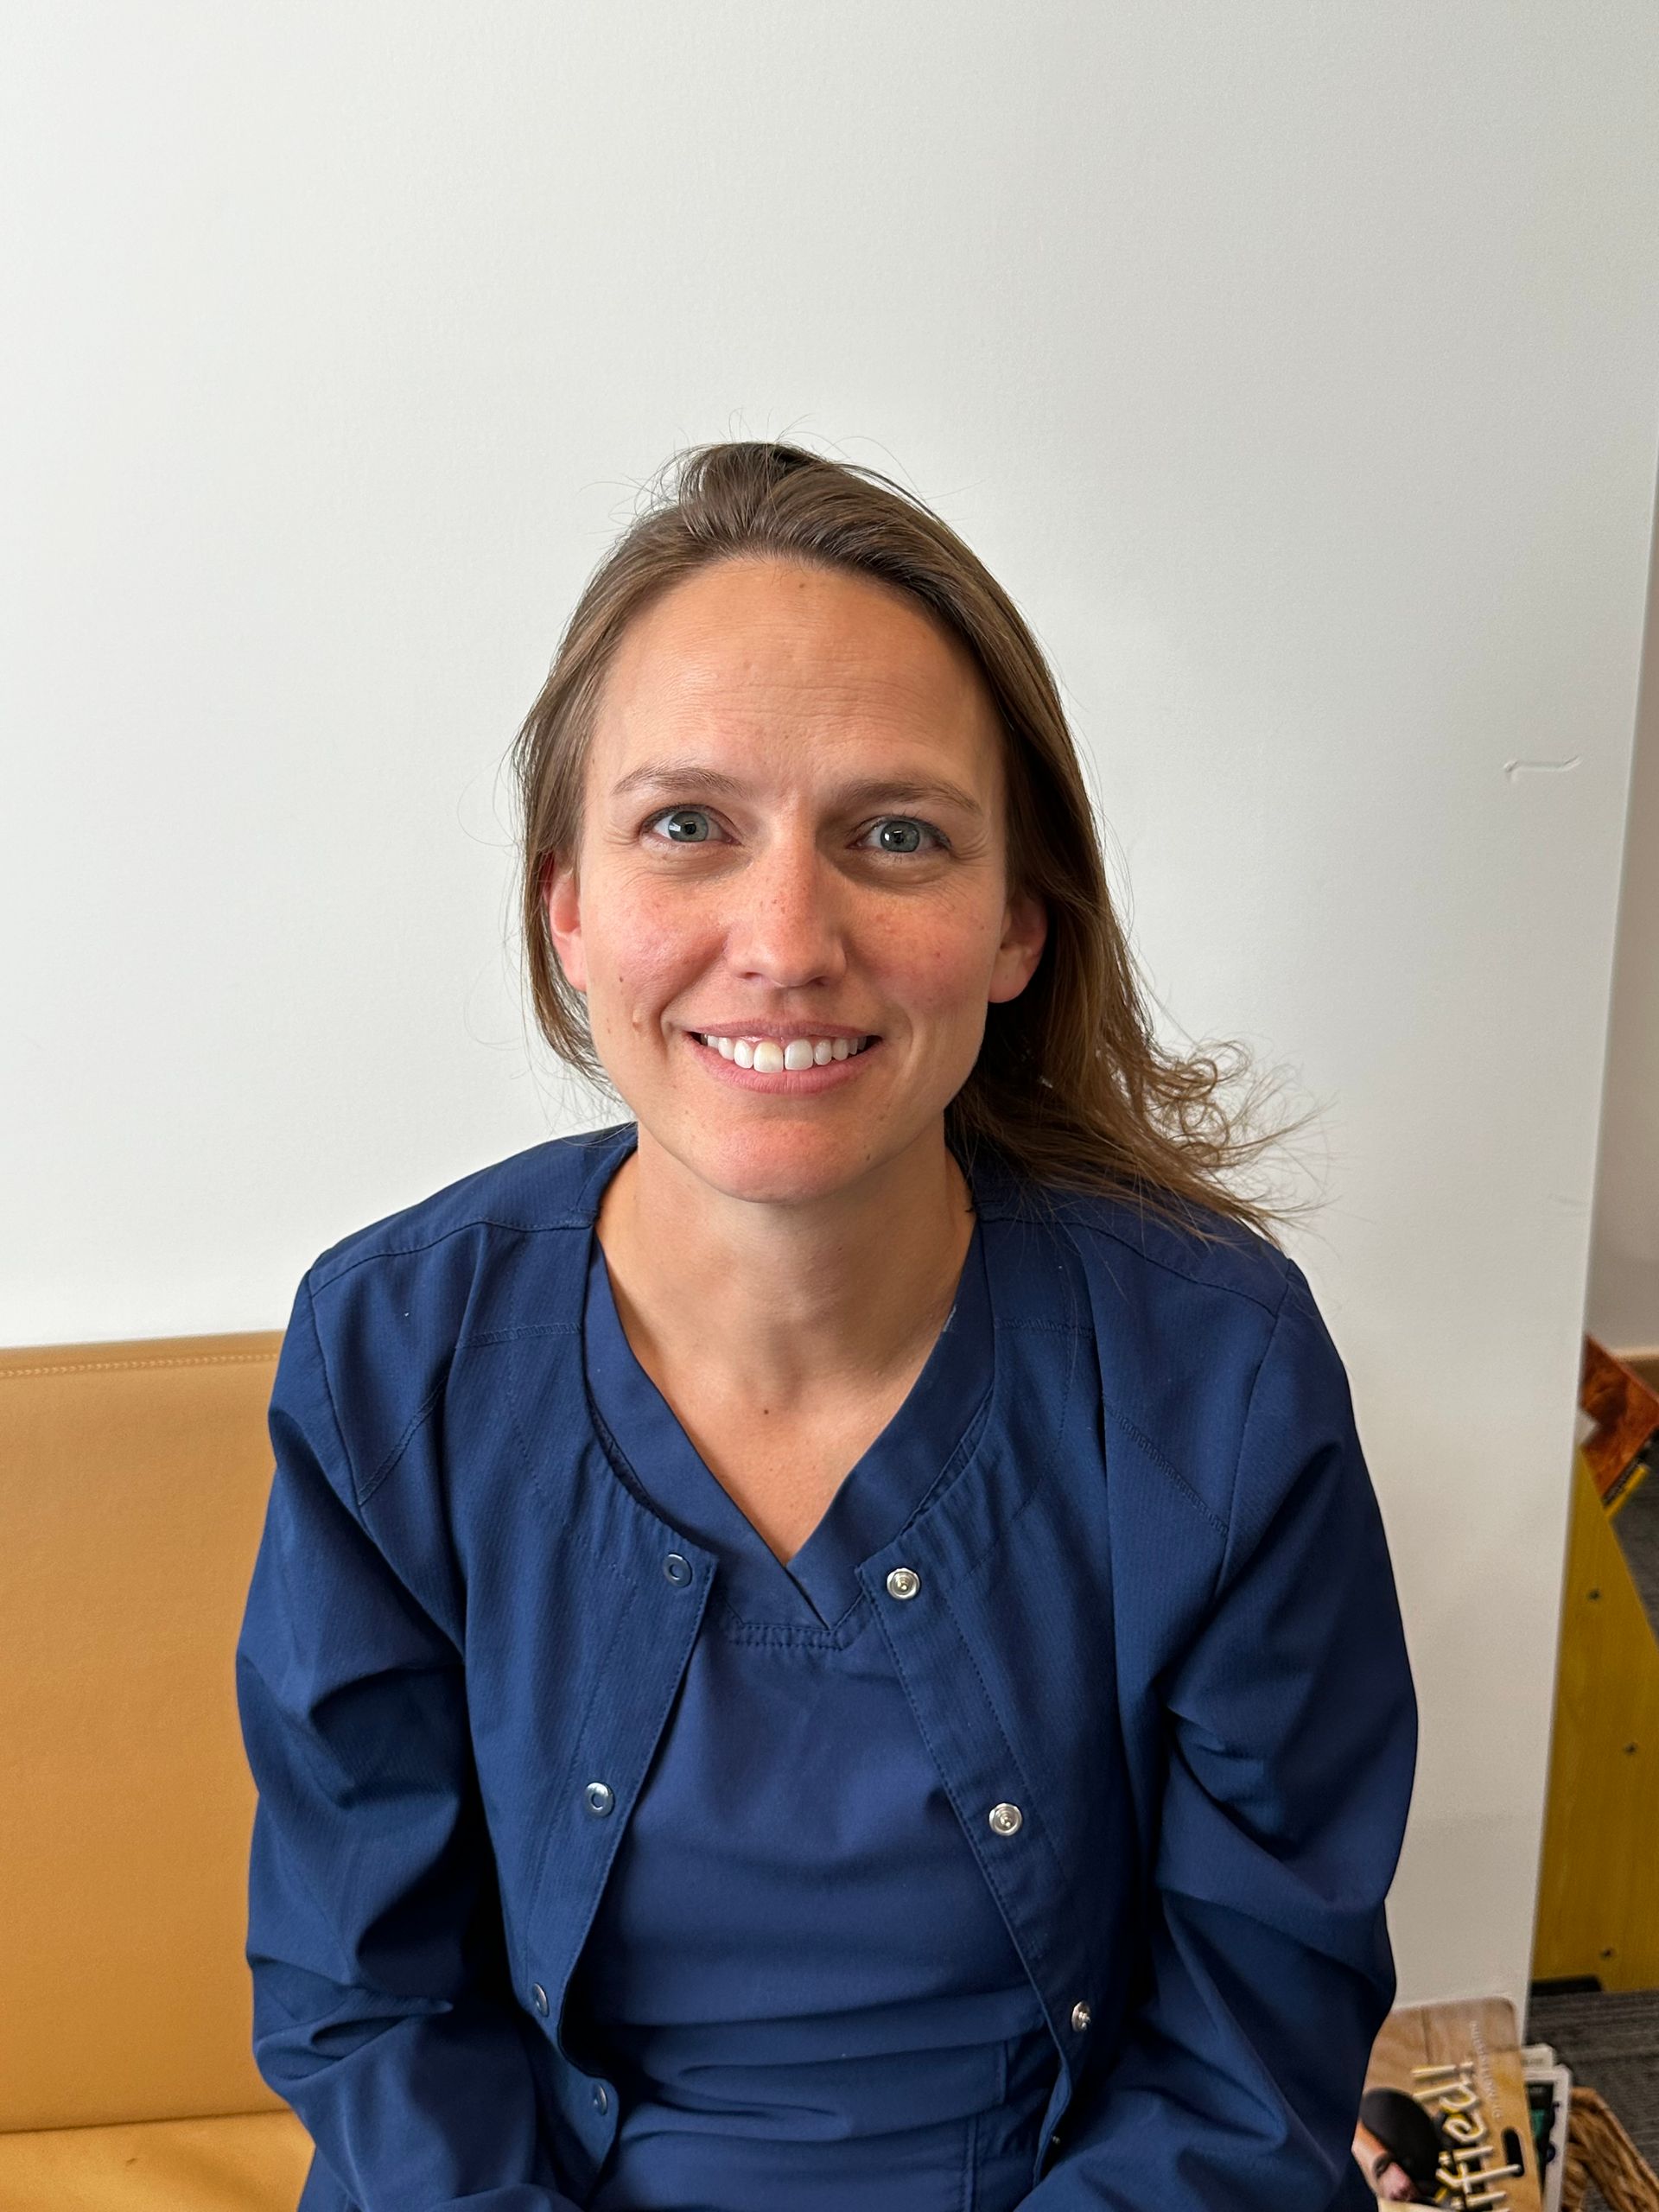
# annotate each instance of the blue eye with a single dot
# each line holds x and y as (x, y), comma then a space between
(686, 825)
(898, 833)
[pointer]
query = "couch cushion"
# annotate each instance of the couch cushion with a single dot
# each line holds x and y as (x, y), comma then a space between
(133, 1482)
(252, 2162)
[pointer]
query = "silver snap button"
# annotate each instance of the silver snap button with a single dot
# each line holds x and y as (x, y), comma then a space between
(903, 1582)
(1005, 1819)
(601, 2099)
(599, 1797)
(538, 1996)
(676, 1568)
(1081, 2015)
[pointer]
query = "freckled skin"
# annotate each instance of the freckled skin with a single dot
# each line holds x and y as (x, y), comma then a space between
(783, 905)
(792, 681)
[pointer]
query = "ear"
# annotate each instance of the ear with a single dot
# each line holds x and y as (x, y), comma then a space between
(1024, 932)
(560, 895)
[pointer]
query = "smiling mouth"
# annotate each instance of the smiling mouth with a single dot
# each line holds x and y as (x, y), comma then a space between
(779, 1055)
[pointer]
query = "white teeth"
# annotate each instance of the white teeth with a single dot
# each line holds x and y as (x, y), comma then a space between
(767, 1055)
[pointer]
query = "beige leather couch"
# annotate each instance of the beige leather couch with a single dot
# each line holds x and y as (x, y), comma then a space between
(133, 1480)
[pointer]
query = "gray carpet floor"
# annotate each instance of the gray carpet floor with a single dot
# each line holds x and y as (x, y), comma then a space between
(1637, 1526)
(1610, 2040)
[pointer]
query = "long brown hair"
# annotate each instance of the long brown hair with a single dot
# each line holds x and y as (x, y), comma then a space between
(1072, 1087)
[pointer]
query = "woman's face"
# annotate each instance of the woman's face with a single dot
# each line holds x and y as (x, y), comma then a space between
(792, 840)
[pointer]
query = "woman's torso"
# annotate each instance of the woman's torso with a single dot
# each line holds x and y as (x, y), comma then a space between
(797, 1975)
(1055, 1574)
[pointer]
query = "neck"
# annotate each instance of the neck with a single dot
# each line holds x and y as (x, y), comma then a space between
(775, 1300)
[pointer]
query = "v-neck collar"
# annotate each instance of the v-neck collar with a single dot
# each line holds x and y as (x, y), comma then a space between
(921, 1446)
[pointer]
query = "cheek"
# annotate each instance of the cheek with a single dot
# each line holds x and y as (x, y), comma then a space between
(938, 962)
(643, 943)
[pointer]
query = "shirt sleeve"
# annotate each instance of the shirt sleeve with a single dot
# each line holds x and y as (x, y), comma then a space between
(1290, 1722)
(380, 2008)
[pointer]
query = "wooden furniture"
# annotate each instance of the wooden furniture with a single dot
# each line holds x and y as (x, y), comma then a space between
(133, 1481)
(1600, 2151)
(1597, 1896)
(1625, 1410)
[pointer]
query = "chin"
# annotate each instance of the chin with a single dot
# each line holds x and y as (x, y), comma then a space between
(773, 1166)
(782, 1175)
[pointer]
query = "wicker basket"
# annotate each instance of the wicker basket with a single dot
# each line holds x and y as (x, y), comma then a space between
(1599, 2149)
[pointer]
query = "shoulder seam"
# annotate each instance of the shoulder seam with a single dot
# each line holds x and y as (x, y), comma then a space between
(412, 1429)
(1154, 1452)
(1183, 1274)
(1279, 1311)
(329, 1392)
(456, 1228)
(1161, 1459)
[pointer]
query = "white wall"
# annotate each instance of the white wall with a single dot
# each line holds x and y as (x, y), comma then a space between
(1622, 1302)
(1297, 370)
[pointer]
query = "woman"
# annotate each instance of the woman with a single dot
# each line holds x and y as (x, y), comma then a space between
(830, 1645)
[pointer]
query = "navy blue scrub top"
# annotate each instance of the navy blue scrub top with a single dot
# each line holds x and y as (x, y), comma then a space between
(797, 1974)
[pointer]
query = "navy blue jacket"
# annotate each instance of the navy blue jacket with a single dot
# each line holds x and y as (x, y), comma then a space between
(1156, 1613)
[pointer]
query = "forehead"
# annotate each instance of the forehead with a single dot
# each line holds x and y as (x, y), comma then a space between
(779, 665)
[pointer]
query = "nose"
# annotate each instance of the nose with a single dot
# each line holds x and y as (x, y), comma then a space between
(788, 928)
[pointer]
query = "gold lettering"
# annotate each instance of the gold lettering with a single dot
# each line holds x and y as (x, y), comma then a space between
(1472, 2176)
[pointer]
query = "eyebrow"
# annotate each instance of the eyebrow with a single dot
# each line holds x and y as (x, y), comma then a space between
(712, 783)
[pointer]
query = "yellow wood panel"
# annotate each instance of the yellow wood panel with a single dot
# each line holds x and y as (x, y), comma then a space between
(1598, 1880)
